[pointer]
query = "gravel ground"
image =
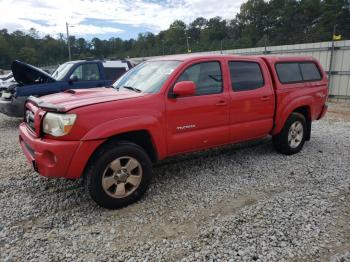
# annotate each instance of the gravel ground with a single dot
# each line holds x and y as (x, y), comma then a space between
(240, 203)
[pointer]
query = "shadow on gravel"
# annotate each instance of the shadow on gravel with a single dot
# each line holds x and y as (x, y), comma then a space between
(52, 196)
(228, 150)
(46, 198)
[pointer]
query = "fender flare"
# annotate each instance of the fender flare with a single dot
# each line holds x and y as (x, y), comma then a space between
(130, 124)
(306, 101)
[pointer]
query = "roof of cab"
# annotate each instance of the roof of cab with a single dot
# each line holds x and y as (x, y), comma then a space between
(268, 58)
(276, 59)
(186, 57)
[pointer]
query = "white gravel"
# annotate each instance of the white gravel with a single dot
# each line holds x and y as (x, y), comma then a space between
(240, 203)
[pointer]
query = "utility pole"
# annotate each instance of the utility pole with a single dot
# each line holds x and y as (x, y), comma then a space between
(221, 46)
(163, 45)
(332, 55)
(188, 43)
(68, 42)
(265, 44)
(331, 58)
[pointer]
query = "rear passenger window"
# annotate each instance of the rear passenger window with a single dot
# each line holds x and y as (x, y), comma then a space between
(288, 72)
(245, 76)
(207, 76)
(310, 72)
(113, 73)
(297, 72)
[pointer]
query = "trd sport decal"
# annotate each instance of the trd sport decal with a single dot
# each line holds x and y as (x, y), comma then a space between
(180, 128)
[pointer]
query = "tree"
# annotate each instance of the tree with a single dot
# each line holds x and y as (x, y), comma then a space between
(28, 55)
(253, 21)
(334, 12)
(278, 21)
(176, 36)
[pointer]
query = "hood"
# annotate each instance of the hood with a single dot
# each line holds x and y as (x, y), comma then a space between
(26, 74)
(74, 98)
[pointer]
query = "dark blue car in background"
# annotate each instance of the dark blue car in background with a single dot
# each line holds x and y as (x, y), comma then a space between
(71, 75)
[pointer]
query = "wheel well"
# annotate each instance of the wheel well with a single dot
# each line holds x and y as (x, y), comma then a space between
(141, 138)
(305, 111)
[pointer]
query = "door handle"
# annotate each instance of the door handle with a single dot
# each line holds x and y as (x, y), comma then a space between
(221, 103)
(265, 98)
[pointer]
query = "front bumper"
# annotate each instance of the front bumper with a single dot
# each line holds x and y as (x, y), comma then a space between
(56, 158)
(13, 107)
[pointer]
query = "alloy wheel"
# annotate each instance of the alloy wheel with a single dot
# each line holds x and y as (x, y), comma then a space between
(122, 177)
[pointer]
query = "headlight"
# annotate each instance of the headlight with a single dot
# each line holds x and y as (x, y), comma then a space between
(58, 124)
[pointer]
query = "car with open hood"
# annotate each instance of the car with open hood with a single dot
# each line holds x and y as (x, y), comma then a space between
(33, 81)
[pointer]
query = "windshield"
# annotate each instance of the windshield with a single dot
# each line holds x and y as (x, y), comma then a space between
(147, 77)
(61, 71)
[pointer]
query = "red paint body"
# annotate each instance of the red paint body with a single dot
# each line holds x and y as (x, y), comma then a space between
(175, 125)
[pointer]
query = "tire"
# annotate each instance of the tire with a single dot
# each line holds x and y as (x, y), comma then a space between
(293, 135)
(118, 175)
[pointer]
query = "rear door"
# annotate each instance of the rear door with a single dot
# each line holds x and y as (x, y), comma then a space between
(252, 99)
(199, 121)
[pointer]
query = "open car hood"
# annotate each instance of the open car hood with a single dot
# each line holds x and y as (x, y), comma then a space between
(26, 74)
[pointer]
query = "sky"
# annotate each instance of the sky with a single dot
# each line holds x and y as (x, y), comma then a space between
(107, 18)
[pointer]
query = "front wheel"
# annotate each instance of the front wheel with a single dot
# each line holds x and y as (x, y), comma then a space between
(118, 175)
(293, 135)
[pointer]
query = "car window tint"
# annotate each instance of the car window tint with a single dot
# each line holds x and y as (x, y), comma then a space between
(87, 72)
(310, 71)
(288, 72)
(245, 76)
(78, 73)
(207, 76)
(113, 73)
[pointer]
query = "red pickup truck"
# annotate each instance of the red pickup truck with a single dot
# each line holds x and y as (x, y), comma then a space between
(169, 106)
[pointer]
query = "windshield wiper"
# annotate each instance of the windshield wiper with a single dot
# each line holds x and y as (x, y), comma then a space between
(132, 88)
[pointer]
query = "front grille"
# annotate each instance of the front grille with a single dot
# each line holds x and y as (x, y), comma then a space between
(29, 119)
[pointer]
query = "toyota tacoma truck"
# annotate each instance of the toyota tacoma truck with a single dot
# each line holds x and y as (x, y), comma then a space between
(71, 75)
(168, 106)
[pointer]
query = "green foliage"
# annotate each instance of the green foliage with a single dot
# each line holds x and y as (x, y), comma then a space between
(259, 22)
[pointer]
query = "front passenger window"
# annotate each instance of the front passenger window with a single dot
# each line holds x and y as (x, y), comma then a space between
(207, 76)
(87, 72)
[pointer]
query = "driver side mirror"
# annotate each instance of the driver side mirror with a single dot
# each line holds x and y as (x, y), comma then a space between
(184, 88)
(73, 78)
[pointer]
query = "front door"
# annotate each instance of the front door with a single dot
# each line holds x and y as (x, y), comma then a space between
(199, 121)
(86, 76)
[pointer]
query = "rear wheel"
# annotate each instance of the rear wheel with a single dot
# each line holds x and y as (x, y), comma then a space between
(293, 135)
(118, 175)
